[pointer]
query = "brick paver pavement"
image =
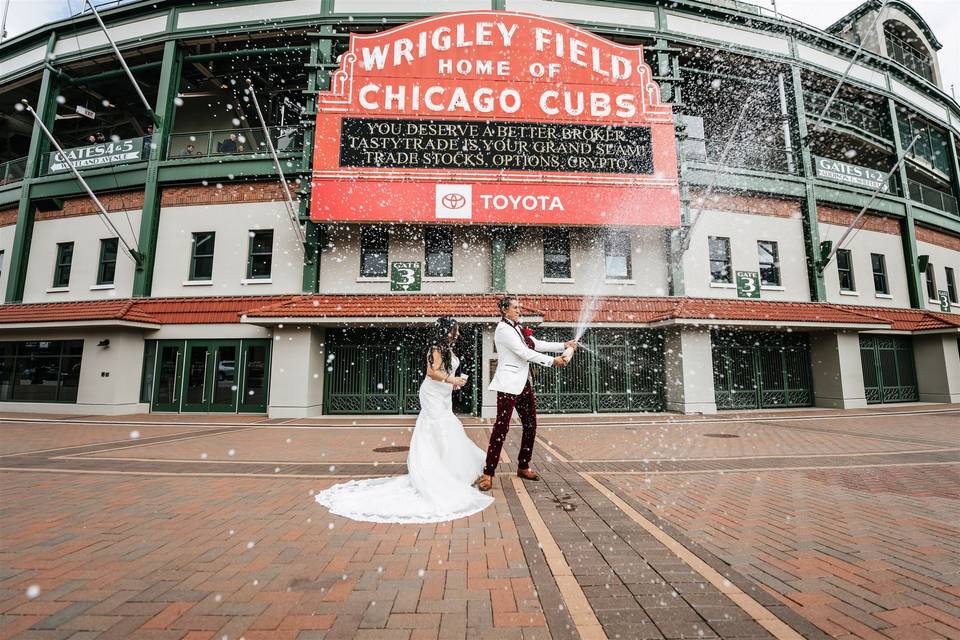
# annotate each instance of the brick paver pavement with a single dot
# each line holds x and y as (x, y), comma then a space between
(830, 523)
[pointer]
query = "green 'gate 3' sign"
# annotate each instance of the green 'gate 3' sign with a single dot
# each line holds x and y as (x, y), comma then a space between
(748, 284)
(404, 276)
(944, 297)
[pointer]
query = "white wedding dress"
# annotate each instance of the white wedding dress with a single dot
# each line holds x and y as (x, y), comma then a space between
(441, 466)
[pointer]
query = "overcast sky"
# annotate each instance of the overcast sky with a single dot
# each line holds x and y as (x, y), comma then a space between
(943, 16)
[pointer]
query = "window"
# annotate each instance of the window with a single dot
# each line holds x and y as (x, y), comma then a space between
(260, 257)
(201, 258)
(905, 47)
(439, 252)
(951, 285)
(40, 371)
(556, 253)
(845, 270)
(879, 263)
(374, 245)
(108, 261)
(616, 249)
(720, 268)
(769, 255)
(61, 271)
(931, 282)
(1, 263)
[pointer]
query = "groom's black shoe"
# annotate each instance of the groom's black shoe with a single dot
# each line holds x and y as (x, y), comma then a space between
(526, 474)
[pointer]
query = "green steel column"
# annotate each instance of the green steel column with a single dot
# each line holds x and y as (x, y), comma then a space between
(954, 156)
(811, 227)
(46, 108)
(908, 233)
(318, 79)
(498, 261)
(150, 218)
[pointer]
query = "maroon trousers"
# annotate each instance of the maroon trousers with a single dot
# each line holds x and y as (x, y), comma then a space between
(526, 405)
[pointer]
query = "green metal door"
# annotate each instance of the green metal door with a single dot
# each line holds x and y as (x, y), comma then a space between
(761, 370)
(211, 376)
(615, 371)
(380, 370)
(168, 376)
(363, 378)
(889, 374)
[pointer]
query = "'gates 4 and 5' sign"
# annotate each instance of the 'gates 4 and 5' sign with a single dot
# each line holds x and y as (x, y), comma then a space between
(494, 117)
(97, 155)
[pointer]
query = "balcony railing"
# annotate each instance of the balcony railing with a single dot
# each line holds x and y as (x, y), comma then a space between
(908, 55)
(233, 142)
(847, 113)
(932, 197)
(751, 155)
(12, 171)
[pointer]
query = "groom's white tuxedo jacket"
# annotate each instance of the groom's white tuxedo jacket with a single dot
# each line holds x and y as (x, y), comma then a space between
(514, 358)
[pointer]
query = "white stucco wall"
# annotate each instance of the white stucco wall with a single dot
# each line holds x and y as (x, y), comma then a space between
(744, 230)
(6, 245)
(649, 264)
(85, 232)
(110, 376)
(340, 262)
(863, 243)
(232, 224)
(940, 258)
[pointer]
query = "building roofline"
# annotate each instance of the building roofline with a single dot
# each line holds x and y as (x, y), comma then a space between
(869, 5)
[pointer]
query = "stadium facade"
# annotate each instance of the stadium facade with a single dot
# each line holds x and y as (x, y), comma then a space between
(684, 165)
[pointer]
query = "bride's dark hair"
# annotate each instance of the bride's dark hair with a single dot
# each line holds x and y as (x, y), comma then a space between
(440, 339)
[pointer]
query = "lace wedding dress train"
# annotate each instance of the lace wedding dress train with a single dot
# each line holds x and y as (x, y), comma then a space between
(441, 466)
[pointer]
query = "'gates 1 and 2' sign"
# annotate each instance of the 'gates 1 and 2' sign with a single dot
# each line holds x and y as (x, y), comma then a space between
(494, 117)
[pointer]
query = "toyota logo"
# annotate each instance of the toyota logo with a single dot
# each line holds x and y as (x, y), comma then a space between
(453, 201)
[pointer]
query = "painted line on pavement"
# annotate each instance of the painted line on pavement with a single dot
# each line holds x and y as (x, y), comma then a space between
(722, 471)
(584, 619)
(193, 474)
(559, 425)
(777, 627)
(559, 457)
(896, 452)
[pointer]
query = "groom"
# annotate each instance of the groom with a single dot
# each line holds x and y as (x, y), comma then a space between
(517, 348)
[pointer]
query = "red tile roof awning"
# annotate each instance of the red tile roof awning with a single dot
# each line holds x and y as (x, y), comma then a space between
(328, 309)
(92, 311)
(564, 310)
(913, 319)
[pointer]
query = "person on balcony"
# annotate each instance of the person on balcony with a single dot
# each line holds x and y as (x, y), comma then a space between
(230, 144)
(189, 152)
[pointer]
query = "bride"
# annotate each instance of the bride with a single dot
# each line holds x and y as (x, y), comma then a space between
(442, 461)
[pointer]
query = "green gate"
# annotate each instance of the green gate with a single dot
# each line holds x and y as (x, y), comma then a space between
(889, 374)
(761, 370)
(616, 371)
(371, 371)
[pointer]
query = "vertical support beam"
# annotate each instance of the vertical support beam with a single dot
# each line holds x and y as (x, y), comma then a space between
(318, 79)
(908, 233)
(954, 155)
(808, 206)
(46, 108)
(150, 218)
(498, 261)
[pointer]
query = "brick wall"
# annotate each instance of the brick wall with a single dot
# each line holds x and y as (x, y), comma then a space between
(870, 222)
(8, 216)
(83, 205)
(213, 193)
(939, 238)
(749, 204)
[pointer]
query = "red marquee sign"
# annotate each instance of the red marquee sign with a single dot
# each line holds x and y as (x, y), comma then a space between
(494, 117)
